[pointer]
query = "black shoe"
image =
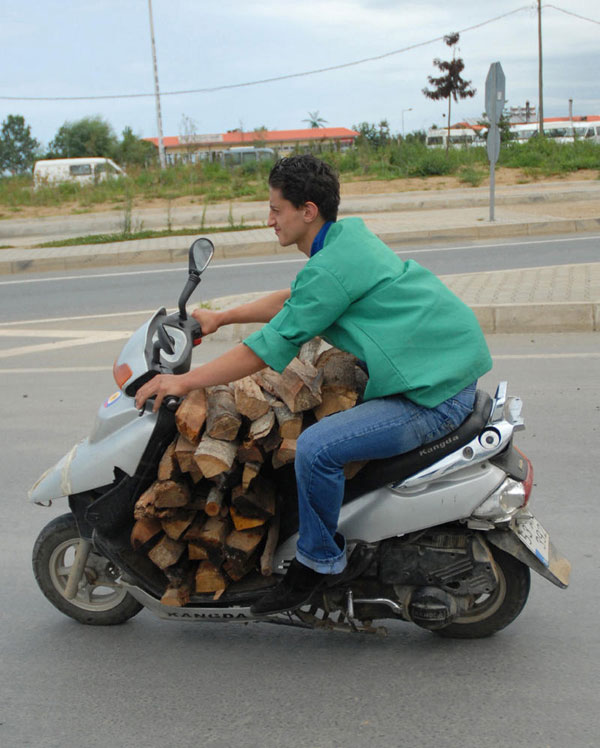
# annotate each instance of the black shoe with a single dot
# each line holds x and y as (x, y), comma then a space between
(294, 590)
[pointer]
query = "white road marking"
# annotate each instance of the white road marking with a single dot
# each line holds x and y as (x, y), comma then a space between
(56, 370)
(70, 339)
(224, 265)
(509, 356)
(45, 320)
(90, 369)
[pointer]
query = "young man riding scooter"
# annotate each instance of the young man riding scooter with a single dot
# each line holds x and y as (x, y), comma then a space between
(422, 348)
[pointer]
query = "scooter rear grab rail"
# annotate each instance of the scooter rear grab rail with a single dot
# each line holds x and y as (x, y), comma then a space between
(503, 417)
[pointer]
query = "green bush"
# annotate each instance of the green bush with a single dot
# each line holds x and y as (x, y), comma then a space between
(391, 159)
(549, 157)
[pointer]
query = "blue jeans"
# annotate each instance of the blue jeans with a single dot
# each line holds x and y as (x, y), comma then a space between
(374, 429)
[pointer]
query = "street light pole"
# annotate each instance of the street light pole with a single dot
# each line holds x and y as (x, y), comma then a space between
(161, 147)
(404, 110)
(540, 77)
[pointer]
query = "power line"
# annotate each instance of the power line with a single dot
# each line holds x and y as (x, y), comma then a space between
(570, 13)
(262, 81)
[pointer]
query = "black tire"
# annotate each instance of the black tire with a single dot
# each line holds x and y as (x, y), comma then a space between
(99, 601)
(494, 612)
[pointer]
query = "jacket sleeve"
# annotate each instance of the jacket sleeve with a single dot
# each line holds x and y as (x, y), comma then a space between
(317, 300)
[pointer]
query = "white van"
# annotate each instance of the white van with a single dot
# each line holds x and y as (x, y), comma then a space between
(82, 170)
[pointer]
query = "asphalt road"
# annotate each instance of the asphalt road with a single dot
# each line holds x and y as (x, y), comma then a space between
(152, 683)
(101, 291)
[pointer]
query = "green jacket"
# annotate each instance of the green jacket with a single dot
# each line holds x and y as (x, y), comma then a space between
(415, 335)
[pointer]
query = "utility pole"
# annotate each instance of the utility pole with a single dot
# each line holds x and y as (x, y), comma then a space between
(571, 116)
(404, 110)
(540, 78)
(161, 147)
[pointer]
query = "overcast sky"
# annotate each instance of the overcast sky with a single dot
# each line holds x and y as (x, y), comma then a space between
(63, 48)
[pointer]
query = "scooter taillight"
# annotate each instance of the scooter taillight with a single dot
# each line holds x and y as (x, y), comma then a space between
(528, 481)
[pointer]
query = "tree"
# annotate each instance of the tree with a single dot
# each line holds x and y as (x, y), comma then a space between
(188, 135)
(260, 137)
(374, 135)
(504, 123)
(133, 151)
(450, 85)
(314, 120)
(17, 147)
(90, 136)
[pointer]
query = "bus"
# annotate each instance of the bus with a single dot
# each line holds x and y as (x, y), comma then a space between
(460, 137)
(246, 155)
(563, 131)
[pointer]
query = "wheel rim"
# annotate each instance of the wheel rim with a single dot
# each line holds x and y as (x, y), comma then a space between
(487, 604)
(97, 590)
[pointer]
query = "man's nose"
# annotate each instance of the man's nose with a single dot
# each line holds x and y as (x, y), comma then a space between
(271, 220)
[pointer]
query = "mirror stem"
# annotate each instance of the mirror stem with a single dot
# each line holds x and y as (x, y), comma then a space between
(190, 286)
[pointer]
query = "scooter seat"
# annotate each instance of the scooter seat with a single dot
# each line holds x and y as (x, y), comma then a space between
(377, 473)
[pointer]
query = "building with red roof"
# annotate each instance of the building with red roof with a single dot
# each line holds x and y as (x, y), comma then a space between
(196, 147)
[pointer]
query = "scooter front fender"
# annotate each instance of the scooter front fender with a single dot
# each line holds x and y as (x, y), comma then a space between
(118, 439)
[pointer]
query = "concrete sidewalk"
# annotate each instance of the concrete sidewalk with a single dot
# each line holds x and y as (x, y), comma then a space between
(560, 298)
(545, 299)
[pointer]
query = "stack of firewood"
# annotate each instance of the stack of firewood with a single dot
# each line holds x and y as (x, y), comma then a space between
(212, 515)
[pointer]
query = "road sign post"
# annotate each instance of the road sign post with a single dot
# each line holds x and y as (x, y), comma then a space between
(494, 105)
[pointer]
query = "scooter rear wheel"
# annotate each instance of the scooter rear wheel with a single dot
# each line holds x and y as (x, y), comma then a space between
(493, 612)
(98, 600)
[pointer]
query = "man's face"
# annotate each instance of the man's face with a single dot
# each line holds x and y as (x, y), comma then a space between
(289, 222)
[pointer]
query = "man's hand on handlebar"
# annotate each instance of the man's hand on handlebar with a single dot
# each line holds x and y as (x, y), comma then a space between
(162, 385)
(208, 319)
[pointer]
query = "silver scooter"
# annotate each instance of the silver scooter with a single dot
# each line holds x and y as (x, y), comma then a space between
(442, 537)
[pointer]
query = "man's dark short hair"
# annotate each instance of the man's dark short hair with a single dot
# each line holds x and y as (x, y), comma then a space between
(303, 179)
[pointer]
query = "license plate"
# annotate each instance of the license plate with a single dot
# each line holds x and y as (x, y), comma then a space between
(533, 535)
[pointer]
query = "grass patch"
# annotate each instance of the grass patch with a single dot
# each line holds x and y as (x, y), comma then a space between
(126, 237)
(211, 183)
(471, 175)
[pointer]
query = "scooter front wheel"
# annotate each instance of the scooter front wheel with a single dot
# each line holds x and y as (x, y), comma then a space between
(98, 599)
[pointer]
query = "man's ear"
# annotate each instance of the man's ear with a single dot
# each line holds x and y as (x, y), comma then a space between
(311, 212)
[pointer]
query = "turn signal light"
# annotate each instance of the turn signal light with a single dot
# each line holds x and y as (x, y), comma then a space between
(122, 373)
(528, 482)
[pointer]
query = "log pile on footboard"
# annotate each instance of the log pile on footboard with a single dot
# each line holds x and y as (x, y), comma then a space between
(213, 514)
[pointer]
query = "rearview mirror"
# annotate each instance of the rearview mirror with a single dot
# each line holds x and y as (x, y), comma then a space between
(201, 253)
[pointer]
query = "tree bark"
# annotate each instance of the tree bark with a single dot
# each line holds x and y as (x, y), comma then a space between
(166, 552)
(209, 578)
(298, 386)
(170, 493)
(249, 398)
(191, 415)
(143, 531)
(222, 418)
(214, 456)
(168, 467)
(258, 502)
(266, 559)
(214, 502)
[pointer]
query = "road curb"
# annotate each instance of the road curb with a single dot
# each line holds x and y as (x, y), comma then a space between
(534, 317)
(229, 247)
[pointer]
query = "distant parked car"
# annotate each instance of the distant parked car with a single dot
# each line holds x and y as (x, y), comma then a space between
(82, 170)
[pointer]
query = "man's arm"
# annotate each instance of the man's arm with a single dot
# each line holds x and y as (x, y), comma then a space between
(261, 310)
